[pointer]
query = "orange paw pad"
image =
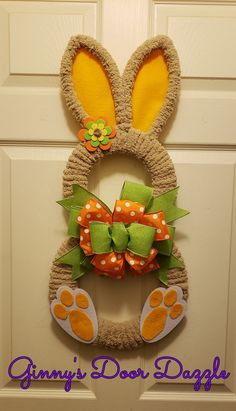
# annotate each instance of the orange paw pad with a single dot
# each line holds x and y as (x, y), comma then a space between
(81, 325)
(81, 300)
(154, 323)
(60, 311)
(170, 297)
(66, 298)
(176, 311)
(155, 298)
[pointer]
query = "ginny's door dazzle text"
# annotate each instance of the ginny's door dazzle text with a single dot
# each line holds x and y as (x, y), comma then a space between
(164, 368)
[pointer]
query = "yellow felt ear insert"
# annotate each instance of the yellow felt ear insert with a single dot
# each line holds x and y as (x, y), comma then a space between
(149, 91)
(92, 86)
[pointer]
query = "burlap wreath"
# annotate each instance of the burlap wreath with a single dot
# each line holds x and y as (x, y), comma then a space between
(128, 141)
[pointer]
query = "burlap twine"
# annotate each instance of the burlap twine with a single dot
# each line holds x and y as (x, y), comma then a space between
(144, 146)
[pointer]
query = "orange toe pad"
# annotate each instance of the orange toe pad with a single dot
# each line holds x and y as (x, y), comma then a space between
(176, 311)
(170, 297)
(67, 298)
(155, 298)
(60, 311)
(82, 300)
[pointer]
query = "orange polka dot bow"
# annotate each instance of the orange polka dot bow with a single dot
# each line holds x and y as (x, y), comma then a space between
(129, 237)
(127, 234)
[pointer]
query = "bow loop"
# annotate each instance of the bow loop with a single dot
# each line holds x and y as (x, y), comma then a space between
(100, 237)
(127, 211)
(137, 192)
(140, 265)
(157, 220)
(93, 211)
(141, 239)
(111, 264)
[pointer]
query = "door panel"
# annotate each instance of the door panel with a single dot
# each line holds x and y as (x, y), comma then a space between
(37, 135)
(34, 35)
(204, 37)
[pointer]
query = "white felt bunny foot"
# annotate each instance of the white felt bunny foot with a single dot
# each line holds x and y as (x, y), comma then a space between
(162, 312)
(74, 311)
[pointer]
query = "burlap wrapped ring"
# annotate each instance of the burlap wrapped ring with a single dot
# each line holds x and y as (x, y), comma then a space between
(130, 142)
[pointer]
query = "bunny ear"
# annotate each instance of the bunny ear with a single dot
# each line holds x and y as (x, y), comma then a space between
(151, 84)
(90, 80)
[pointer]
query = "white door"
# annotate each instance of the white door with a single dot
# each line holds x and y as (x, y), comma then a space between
(37, 135)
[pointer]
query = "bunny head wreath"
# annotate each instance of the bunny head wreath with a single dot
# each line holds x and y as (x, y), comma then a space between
(120, 114)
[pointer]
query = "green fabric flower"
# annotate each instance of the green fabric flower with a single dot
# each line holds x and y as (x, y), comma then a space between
(96, 134)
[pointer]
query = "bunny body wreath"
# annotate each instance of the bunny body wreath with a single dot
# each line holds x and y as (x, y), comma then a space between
(136, 106)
